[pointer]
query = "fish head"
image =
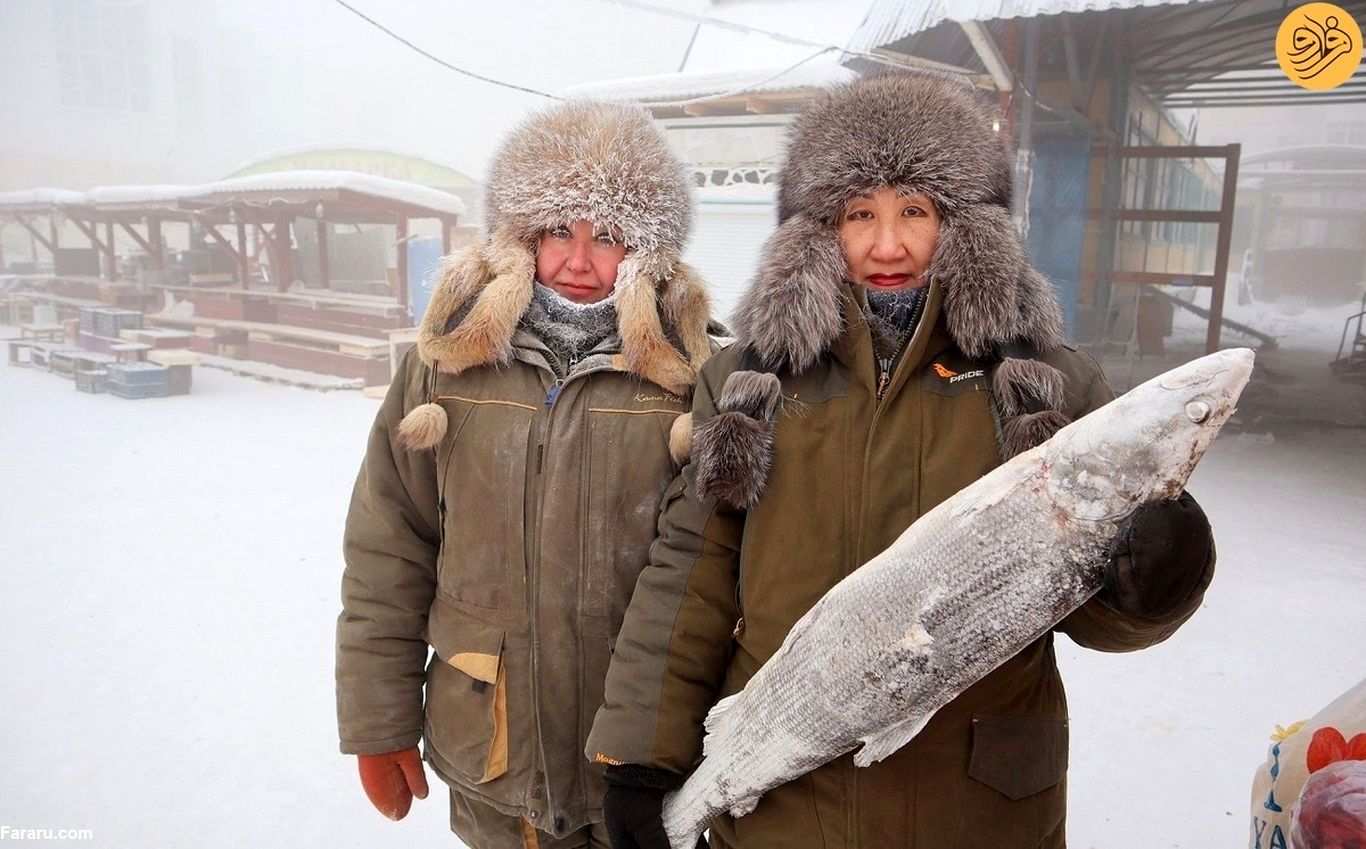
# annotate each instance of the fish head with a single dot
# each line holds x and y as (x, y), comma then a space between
(1144, 445)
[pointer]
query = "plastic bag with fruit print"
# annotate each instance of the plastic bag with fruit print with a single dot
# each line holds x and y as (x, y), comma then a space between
(1311, 792)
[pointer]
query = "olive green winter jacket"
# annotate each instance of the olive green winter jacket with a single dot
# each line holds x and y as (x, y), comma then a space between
(724, 586)
(510, 547)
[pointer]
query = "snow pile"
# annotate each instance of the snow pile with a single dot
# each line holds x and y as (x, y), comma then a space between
(1294, 323)
(170, 584)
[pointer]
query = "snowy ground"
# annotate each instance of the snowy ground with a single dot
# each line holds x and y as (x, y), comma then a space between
(170, 581)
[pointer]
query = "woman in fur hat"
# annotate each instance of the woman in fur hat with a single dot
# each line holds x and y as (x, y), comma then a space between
(915, 350)
(511, 485)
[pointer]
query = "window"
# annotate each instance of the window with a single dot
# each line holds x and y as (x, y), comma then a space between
(102, 54)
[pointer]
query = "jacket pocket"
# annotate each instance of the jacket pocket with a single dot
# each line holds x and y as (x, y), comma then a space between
(626, 470)
(483, 494)
(1018, 756)
(467, 710)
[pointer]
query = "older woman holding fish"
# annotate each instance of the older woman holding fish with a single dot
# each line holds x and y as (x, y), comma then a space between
(895, 347)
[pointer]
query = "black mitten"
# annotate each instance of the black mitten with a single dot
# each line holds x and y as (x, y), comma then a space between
(1160, 555)
(633, 809)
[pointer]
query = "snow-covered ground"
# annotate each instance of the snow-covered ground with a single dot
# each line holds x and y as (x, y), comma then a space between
(169, 575)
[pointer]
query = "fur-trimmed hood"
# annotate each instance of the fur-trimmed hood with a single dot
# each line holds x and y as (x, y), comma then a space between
(599, 162)
(916, 133)
(484, 290)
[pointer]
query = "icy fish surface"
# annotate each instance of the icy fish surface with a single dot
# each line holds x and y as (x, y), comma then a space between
(961, 591)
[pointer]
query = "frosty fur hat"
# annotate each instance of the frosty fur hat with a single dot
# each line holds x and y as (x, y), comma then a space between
(600, 162)
(915, 133)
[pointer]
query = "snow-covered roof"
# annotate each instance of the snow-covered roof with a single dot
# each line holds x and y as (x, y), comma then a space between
(134, 195)
(350, 181)
(280, 181)
(40, 197)
(360, 146)
(892, 20)
(1307, 152)
(665, 88)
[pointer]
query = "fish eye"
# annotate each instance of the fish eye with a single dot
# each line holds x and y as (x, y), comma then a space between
(1198, 411)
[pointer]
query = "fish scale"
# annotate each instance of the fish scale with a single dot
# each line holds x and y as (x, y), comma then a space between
(965, 588)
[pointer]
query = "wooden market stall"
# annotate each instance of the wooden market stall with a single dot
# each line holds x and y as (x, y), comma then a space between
(259, 279)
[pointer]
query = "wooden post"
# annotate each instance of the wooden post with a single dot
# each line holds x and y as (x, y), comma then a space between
(158, 248)
(110, 256)
(1216, 300)
(243, 265)
(54, 243)
(402, 260)
(445, 236)
(285, 253)
(323, 270)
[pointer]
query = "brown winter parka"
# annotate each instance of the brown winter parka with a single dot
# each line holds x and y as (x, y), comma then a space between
(510, 547)
(849, 473)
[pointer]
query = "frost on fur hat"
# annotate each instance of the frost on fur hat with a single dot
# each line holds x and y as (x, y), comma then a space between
(914, 132)
(917, 133)
(601, 162)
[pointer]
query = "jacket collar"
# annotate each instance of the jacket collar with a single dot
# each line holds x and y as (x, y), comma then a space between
(992, 298)
(484, 290)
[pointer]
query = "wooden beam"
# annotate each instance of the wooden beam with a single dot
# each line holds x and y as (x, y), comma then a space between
(1216, 301)
(111, 257)
(323, 271)
(213, 233)
(1188, 216)
(23, 222)
(1161, 278)
(1069, 46)
(1093, 69)
(775, 104)
(1173, 152)
(243, 264)
(259, 241)
(158, 246)
(708, 108)
(284, 251)
(90, 232)
(1267, 340)
(142, 243)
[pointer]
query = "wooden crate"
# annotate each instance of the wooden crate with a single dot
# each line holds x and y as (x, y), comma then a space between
(370, 369)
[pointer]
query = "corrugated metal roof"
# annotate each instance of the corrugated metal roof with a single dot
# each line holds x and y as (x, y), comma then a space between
(893, 20)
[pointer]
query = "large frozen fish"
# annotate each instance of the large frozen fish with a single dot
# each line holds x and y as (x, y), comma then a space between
(965, 588)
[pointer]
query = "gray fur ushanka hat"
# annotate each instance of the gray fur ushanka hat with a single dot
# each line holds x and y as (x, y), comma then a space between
(913, 133)
(916, 133)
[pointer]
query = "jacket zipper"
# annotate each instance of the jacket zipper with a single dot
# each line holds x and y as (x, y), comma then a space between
(889, 369)
(885, 365)
(533, 549)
